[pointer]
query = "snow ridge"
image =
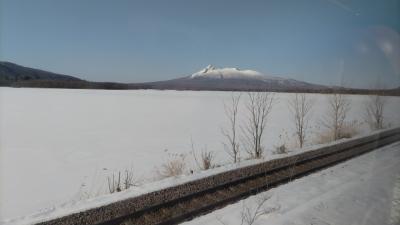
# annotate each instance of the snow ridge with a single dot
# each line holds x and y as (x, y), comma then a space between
(231, 73)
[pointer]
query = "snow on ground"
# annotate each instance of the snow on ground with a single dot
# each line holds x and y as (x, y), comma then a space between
(86, 204)
(58, 146)
(364, 190)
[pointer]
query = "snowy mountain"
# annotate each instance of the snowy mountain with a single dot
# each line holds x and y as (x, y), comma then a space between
(226, 73)
(209, 78)
(212, 78)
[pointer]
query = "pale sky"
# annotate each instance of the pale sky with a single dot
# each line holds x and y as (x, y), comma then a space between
(350, 42)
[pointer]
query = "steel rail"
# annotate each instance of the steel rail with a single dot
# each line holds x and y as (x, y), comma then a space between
(166, 209)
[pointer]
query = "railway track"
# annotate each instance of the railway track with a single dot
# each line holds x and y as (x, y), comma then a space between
(186, 209)
(197, 203)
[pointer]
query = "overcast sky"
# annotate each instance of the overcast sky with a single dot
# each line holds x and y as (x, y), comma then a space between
(351, 42)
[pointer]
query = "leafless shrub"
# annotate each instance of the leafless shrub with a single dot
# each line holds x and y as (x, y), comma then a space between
(285, 144)
(300, 106)
(174, 167)
(114, 185)
(206, 160)
(281, 149)
(348, 130)
(259, 106)
(374, 112)
(231, 145)
(250, 215)
(338, 107)
(323, 136)
(128, 180)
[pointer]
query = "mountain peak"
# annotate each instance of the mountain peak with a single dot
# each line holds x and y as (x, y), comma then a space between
(208, 69)
(225, 73)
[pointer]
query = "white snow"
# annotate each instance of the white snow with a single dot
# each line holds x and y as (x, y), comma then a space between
(58, 146)
(85, 204)
(364, 190)
(231, 73)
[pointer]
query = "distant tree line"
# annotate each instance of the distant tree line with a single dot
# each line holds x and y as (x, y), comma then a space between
(82, 84)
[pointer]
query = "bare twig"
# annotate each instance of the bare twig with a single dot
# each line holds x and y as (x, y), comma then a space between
(207, 158)
(231, 145)
(339, 106)
(300, 107)
(374, 112)
(114, 185)
(249, 216)
(259, 106)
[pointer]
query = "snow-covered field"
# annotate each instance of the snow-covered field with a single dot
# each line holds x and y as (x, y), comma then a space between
(58, 146)
(364, 190)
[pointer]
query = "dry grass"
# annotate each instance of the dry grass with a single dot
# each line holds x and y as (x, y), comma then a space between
(281, 149)
(174, 167)
(348, 130)
(285, 144)
(323, 137)
(206, 160)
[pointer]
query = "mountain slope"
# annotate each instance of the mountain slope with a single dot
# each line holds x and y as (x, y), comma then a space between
(212, 78)
(209, 78)
(226, 73)
(13, 72)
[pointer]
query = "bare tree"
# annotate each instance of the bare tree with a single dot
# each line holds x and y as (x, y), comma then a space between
(259, 106)
(300, 107)
(338, 107)
(231, 145)
(374, 112)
